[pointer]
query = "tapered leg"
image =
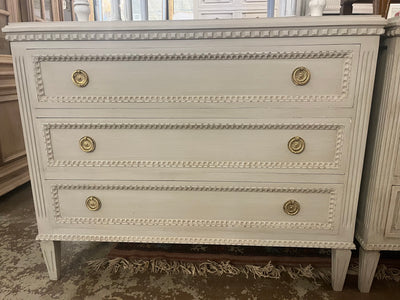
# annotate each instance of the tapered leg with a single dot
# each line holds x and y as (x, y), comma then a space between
(368, 261)
(340, 264)
(52, 257)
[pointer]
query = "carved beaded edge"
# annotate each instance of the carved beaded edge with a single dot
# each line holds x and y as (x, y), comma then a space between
(334, 164)
(197, 34)
(393, 31)
(347, 54)
(194, 223)
(376, 246)
(194, 240)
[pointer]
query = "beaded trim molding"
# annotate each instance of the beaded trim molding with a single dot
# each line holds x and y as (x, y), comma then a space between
(195, 240)
(376, 246)
(197, 34)
(393, 31)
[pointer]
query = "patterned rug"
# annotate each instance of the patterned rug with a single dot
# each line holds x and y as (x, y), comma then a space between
(234, 254)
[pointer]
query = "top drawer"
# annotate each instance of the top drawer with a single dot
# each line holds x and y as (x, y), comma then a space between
(192, 77)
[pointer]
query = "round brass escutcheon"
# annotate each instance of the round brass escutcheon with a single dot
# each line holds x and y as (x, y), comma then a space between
(296, 145)
(301, 76)
(80, 78)
(87, 144)
(291, 207)
(93, 203)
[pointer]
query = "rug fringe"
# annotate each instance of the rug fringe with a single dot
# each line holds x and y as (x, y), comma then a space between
(387, 273)
(209, 267)
(206, 268)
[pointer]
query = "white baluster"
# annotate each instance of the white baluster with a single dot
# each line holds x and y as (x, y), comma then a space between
(290, 8)
(115, 11)
(126, 10)
(282, 8)
(144, 9)
(82, 10)
(317, 7)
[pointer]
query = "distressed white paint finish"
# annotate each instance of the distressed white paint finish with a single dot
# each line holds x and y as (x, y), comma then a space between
(340, 264)
(52, 257)
(368, 263)
(393, 219)
(186, 159)
(378, 221)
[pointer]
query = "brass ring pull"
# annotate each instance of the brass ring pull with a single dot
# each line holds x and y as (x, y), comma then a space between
(80, 78)
(296, 145)
(291, 207)
(301, 76)
(87, 144)
(93, 203)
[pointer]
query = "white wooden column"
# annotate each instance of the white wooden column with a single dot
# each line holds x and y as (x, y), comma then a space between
(289, 8)
(126, 10)
(115, 11)
(82, 10)
(144, 8)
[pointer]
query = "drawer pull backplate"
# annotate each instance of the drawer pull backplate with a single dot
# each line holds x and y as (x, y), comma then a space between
(301, 76)
(296, 145)
(93, 203)
(80, 78)
(291, 207)
(87, 144)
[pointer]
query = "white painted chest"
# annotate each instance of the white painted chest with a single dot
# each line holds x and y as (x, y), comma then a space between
(244, 132)
(378, 219)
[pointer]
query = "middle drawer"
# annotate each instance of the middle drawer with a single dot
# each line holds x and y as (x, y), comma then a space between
(296, 144)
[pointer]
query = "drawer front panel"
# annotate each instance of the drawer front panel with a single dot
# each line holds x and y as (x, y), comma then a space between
(198, 205)
(265, 75)
(393, 221)
(284, 144)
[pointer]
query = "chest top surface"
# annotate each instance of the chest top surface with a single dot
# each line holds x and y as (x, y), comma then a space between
(198, 29)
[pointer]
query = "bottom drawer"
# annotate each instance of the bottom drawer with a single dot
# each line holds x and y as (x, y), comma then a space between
(226, 205)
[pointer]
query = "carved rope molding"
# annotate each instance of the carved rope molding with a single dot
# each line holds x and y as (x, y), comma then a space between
(393, 31)
(51, 162)
(376, 246)
(196, 34)
(195, 223)
(195, 240)
(347, 54)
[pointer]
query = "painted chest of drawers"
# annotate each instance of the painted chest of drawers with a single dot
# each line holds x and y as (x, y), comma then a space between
(245, 132)
(378, 219)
